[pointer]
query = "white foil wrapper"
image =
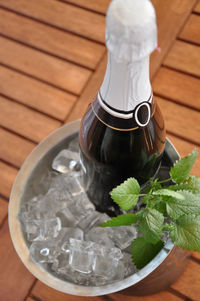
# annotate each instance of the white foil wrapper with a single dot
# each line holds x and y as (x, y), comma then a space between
(131, 31)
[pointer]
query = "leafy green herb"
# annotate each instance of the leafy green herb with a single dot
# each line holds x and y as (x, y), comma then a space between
(126, 195)
(181, 169)
(121, 220)
(143, 252)
(175, 209)
(151, 225)
(186, 232)
(190, 204)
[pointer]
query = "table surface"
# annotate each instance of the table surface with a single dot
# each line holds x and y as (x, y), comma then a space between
(52, 62)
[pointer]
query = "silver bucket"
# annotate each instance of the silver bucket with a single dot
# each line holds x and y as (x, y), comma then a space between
(163, 270)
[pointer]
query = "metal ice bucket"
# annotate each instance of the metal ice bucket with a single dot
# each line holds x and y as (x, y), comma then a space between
(163, 270)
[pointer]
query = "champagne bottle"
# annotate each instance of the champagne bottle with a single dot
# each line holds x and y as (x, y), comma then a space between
(122, 133)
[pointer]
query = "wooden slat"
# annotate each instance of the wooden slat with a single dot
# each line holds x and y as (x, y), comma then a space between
(181, 121)
(15, 280)
(196, 255)
(89, 92)
(197, 7)
(184, 57)
(188, 283)
(3, 210)
(35, 94)
(62, 15)
(184, 148)
(54, 41)
(26, 122)
(50, 69)
(191, 30)
(45, 293)
(180, 87)
(171, 15)
(7, 177)
(14, 149)
(164, 296)
(96, 5)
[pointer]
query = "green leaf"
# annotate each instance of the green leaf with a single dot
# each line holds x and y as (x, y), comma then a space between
(190, 204)
(151, 225)
(161, 207)
(186, 232)
(121, 220)
(192, 184)
(143, 252)
(153, 185)
(126, 195)
(181, 169)
(170, 193)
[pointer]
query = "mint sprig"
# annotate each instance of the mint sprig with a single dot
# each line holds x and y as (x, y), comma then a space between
(178, 204)
(142, 252)
(181, 169)
(126, 195)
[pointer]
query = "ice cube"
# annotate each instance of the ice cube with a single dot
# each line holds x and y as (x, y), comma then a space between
(61, 263)
(123, 236)
(81, 256)
(92, 219)
(129, 267)
(42, 229)
(66, 161)
(27, 210)
(74, 145)
(75, 233)
(83, 202)
(77, 210)
(69, 183)
(101, 236)
(106, 261)
(43, 251)
(43, 182)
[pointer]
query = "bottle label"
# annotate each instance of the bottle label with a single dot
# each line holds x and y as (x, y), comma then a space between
(138, 118)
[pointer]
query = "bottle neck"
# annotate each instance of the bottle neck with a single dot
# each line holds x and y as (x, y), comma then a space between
(125, 86)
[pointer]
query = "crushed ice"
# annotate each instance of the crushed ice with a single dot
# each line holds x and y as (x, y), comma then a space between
(61, 226)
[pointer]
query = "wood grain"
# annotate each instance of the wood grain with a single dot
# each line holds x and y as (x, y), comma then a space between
(45, 293)
(62, 15)
(164, 296)
(15, 280)
(197, 7)
(180, 121)
(171, 16)
(45, 67)
(96, 5)
(177, 86)
(89, 91)
(35, 94)
(191, 30)
(184, 57)
(24, 121)
(7, 177)
(196, 255)
(51, 40)
(14, 149)
(188, 283)
(3, 210)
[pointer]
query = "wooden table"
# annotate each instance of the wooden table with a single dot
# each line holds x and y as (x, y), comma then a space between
(52, 61)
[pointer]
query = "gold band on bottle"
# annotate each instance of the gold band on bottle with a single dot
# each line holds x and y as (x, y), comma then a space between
(112, 127)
